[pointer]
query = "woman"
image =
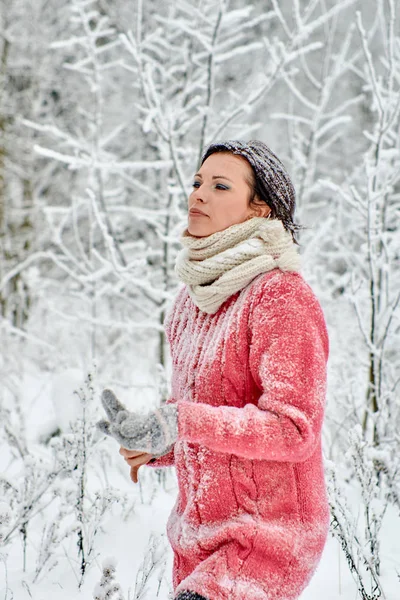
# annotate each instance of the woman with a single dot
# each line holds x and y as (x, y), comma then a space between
(243, 424)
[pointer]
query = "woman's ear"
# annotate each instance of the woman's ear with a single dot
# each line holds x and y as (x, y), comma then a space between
(261, 210)
(266, 210)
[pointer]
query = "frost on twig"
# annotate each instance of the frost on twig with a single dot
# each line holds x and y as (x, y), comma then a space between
(3, 559)
(108, 588)
(89, 506)
(154, 559)
(359, 532)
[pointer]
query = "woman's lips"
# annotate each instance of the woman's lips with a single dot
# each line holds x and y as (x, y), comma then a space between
(196, 214)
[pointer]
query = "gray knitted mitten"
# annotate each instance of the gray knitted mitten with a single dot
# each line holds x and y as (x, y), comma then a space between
(154, 433)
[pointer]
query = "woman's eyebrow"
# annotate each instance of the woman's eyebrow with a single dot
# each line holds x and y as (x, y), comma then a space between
(215, 177)
(221, 177)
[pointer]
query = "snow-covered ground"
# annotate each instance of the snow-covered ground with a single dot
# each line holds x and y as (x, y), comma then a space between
(126, 542)
(132, 531)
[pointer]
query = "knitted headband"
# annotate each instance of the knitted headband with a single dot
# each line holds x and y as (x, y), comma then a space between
(273, 183)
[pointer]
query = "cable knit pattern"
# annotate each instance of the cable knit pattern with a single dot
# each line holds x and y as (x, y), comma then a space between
(252, 516)
(216, 266)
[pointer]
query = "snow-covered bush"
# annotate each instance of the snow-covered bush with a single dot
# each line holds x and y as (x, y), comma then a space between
(57, 494)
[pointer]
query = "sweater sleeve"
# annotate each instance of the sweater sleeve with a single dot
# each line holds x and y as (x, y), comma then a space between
(166, 460)
(287, 360)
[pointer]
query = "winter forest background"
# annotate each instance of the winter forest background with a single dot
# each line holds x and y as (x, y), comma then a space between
(105, 107)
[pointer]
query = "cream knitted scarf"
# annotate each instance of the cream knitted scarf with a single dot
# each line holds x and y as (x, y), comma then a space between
(216, 266)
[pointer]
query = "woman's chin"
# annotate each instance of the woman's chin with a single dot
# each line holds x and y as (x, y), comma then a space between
(198, 229)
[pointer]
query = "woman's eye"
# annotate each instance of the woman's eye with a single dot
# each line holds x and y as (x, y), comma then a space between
(218, 186)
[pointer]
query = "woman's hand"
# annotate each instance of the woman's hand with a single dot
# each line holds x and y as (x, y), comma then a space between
(135, 460)
(153, 433)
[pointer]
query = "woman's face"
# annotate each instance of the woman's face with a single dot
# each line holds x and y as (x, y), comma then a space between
(221, 191)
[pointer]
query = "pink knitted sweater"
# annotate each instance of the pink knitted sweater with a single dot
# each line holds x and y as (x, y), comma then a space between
(252, 516)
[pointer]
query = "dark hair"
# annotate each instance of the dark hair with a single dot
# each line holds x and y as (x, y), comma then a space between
(270, 182)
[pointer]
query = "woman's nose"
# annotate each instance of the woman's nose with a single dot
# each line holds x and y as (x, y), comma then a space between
(199, 194)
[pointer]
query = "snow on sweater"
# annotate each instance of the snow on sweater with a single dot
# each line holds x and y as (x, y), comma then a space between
(251, 518)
